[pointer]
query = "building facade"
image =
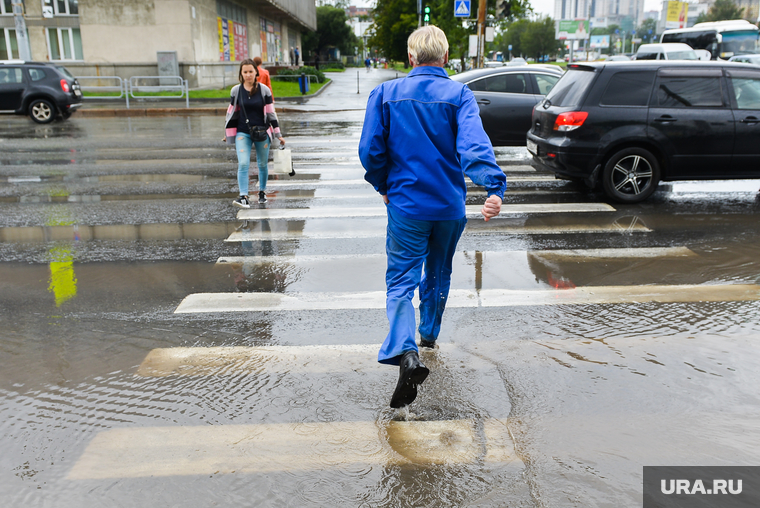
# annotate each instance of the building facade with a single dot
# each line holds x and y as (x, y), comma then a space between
(613, 12)
(125, 37)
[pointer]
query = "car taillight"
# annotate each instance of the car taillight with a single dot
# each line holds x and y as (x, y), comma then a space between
(570, 121)
(65, 86)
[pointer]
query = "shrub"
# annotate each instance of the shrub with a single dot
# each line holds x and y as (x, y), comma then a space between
(333, 65)
(305, 70)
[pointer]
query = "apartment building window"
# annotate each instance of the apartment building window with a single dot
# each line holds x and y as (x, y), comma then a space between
(64, 44)
(66, 7)
(6, 8)
(8, 44)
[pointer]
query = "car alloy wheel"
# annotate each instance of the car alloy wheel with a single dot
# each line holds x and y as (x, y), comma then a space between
(42, 111)
(631, 175)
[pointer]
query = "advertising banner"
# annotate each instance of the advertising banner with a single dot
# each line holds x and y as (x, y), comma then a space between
(241, 41)
(233, 40)
(572, 29)
(226, 50)
(678, 12)
(599, 42)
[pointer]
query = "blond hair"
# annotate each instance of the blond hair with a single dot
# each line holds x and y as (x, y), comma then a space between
(427, 45)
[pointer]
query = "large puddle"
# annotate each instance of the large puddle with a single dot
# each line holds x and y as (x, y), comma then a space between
(138, 367)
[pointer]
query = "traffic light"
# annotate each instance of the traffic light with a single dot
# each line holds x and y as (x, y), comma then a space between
(426, 18)
(504, 9)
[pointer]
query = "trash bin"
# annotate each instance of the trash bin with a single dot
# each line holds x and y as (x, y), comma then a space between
(303, 83)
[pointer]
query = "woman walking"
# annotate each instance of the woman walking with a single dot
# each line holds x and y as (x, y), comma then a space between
(251, 122)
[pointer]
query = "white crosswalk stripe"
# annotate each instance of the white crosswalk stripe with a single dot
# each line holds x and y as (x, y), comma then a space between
(236, 360)
(313, 183)
(576, 254)
(347, 230)
(466, 298)
(211, 449)
(471, 211)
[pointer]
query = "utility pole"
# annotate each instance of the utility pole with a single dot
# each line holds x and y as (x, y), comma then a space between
(481, 33)
(588, 28)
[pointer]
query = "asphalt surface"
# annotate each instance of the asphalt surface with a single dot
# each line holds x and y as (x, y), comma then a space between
(160, 348)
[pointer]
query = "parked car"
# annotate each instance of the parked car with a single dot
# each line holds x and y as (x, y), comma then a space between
(750, 59)
(666, 51)
(44, 91)
(517, 61)
(506, 96)
(626, 126)
(619, 58)
(493, 63)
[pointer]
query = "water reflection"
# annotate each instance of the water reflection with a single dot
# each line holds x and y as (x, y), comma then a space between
(63, 281)
(253, 275)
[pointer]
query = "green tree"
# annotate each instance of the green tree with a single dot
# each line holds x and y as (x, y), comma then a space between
(643, 30)
(332, 32)
(722, 10)
(394, 21)
(539, 39)
(513, 36)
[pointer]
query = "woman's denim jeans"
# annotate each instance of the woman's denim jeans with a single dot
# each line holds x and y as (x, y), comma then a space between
(243, 148)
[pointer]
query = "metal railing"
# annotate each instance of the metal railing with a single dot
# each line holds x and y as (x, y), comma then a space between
(165, 84)
(118, 86)
(135, 86)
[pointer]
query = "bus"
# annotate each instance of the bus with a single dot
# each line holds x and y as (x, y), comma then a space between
(723, 39)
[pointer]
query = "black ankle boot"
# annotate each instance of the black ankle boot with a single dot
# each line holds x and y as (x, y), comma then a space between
(430, 344)
(412, 373)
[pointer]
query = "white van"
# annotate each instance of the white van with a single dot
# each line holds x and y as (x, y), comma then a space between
(666, 51)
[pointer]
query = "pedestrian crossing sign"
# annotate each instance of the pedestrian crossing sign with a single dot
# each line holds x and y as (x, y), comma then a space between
(462, 8)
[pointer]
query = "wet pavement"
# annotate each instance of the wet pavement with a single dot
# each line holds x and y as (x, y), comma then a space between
(159, 348)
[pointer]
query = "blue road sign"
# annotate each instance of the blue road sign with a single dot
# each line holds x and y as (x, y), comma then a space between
(462, 8)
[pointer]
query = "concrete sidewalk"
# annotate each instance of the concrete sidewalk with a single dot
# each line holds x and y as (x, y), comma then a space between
(347, 91)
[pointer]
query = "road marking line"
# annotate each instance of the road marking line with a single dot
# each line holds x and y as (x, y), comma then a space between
(380, 231)
(593, 254)
(281, 184)
(262, 302)
(578, 254)
(235, 360)
(292, 258)
(224, 449)
(471, 211)
(467, 298)
(621, 294)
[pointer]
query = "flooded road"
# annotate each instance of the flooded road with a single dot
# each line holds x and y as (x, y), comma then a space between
(159, 348)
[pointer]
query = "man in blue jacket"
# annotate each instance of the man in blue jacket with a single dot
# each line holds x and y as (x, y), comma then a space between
(421, 136)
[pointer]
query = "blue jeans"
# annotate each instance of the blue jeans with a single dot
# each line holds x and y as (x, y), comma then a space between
(410, 244)
(243, 146)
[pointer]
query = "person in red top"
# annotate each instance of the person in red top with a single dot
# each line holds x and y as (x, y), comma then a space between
(263, 73)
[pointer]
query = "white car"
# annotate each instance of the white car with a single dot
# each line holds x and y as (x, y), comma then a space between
(517, 61)
(666, 51)
(749, 59)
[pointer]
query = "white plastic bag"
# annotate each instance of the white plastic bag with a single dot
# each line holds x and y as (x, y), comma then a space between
(282, 162)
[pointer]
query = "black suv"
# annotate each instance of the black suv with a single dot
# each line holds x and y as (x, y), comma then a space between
(41, 90)
(629, 125)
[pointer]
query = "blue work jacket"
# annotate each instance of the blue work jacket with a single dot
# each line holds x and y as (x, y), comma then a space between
(421, 135)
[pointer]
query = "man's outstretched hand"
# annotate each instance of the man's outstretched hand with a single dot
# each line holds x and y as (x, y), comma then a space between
(492, 207)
